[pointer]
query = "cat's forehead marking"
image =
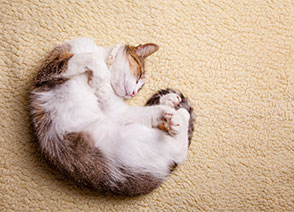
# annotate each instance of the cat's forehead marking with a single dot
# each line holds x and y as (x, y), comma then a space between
(136, 62)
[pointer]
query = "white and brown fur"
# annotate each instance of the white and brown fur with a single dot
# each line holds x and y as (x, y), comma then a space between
(86, 130)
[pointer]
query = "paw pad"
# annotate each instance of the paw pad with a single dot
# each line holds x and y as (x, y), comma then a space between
(169, 124)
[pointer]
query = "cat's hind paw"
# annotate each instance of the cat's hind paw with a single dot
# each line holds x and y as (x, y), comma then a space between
(170, 123)
(171, 99)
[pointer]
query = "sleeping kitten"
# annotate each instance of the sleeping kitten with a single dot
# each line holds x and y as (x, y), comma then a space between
(86, 130)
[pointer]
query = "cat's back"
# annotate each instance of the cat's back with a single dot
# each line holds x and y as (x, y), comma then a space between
(66, 101)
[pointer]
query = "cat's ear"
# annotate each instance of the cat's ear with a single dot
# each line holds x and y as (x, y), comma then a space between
(146, 49)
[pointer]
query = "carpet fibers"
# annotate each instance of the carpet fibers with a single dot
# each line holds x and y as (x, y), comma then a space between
(234, 59)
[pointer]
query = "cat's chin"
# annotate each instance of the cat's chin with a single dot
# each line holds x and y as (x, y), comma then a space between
(124, 96)
(127, 97)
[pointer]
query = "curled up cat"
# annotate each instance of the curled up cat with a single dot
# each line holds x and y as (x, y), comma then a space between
(85, 129)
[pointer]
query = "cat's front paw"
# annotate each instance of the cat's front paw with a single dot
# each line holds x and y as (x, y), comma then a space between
(171, 99)
(170, 123)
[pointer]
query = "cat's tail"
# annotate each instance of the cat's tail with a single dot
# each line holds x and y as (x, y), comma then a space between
(185, 103)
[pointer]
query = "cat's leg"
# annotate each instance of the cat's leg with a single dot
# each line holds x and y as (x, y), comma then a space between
(178, 130)
(176, 141)
(174, 98)
(150, 116)
(160, 111)
(163, 117)
(139, 146)
(89, 66)
(179, 125)
(159, 116)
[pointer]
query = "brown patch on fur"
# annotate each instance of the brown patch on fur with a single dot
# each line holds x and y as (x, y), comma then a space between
(88, 166)
(136, 183)
(79, 159)
(136, 63)
(162, 127)
(82, 161)
(56, 63)
(40, 118)
(46, 79)
(76, 156)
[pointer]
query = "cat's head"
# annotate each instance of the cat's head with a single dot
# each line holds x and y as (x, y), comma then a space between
(127, 69)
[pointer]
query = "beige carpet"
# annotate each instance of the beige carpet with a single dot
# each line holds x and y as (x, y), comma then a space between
(234, 59)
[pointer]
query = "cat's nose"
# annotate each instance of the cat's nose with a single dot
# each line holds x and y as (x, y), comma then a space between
(133, 94)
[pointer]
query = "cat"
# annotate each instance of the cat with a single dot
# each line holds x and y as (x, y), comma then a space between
(86, 130)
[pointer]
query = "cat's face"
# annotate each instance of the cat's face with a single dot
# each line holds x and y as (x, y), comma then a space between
(128, 69)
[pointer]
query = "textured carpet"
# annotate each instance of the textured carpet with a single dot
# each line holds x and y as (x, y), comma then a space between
(234, 59)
